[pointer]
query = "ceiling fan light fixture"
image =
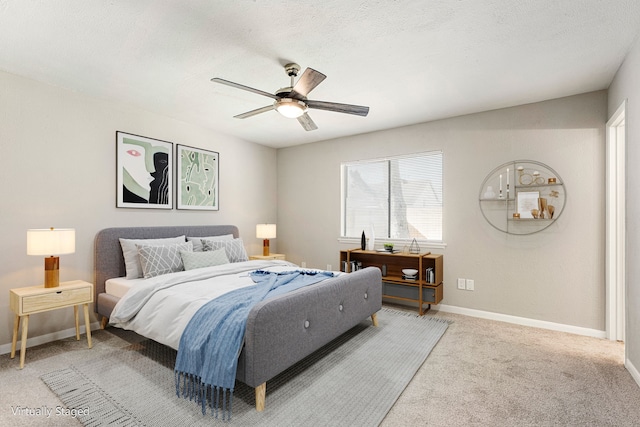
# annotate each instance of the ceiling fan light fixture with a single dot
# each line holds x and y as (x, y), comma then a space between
(290, 108)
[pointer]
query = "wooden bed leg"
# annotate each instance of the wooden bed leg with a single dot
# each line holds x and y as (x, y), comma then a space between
(261, 391)
(374, 319)
(104, 322)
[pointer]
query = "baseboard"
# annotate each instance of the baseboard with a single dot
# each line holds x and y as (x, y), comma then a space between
(43, 339)
(522, 321)
(633, 371)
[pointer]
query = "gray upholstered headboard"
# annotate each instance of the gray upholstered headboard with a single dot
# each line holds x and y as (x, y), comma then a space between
(108, 259)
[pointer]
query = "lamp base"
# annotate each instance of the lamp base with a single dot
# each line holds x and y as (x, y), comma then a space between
(265, 247)
(52, 272)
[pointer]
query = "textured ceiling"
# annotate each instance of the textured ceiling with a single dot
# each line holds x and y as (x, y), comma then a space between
(409, 61)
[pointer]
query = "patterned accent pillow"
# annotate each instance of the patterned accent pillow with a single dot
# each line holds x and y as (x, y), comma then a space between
(158, 260)
(197, 241)
(130, 252)
(193, 260)
(234, 248)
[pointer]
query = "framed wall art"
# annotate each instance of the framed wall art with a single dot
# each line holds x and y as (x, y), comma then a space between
(197, 178)
(143, 172)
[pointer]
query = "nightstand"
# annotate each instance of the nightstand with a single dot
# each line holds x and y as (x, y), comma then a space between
(38, 299)
(270, 256)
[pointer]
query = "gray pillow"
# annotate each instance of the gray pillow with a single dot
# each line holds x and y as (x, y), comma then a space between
(197, 241)
(130, 252)
(158, 260)
(193, 260)
(234, 248)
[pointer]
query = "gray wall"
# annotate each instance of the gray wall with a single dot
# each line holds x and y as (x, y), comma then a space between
(556, 275)
(626, 85)
(58, 153)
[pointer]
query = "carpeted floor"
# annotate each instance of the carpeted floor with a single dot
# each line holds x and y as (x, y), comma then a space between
(366, 368)
(481, 373)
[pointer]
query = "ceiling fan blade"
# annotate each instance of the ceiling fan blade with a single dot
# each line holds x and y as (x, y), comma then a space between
(307, 82)
(254, 112)
(243, 87)
(358, 110)
(306, 122)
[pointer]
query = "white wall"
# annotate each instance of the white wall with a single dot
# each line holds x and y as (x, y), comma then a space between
(626, 85)
(58, 169)
(556, 275)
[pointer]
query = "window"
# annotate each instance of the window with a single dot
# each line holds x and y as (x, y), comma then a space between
(400, 197)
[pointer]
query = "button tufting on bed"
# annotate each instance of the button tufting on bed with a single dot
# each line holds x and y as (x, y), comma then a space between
(340, 307)
(366, 295)
(306, 324)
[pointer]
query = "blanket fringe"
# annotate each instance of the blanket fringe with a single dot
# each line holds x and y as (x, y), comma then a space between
(218, 399)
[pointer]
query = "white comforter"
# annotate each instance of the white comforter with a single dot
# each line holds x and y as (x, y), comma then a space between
(160, 307)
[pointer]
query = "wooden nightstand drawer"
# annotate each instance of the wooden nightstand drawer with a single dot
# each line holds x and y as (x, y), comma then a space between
(61, 298)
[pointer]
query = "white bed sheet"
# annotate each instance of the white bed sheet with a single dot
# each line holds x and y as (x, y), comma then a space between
(167, 309)
(119, 286)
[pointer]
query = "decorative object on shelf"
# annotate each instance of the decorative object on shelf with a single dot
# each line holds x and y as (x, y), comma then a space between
(266, 232)
(372, 240)
(527, 202)
(388, 247)
(414, 248)
(363, 241)
(384, 270)
(530, 185)
(489, 194)
(430, 276)
(409, 274)
(52, 242)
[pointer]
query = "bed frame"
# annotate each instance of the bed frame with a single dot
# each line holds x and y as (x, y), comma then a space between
(281, 331)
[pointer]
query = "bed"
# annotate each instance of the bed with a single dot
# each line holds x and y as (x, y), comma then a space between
(279, 331)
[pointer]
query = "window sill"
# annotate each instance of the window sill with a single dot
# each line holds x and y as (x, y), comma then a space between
(399, 243)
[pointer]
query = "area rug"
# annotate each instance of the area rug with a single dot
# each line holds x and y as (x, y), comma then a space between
(352, 381)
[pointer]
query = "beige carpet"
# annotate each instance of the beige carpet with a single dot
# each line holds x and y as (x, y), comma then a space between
(481, 373)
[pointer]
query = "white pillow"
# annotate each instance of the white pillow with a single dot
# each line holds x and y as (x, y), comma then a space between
(159, 260)
(234, 248)
(130, 252)
(197, 241)
(193, 260)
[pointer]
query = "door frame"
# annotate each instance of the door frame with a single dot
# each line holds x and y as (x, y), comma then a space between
(615, 264)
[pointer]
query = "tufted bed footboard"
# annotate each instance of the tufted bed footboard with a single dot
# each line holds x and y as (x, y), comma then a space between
(282, 331)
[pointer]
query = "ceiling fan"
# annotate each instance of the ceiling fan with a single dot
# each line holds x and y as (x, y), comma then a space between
(292, 101)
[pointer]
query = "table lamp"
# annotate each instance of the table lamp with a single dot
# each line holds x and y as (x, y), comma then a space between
(52, 242)
(266, 232)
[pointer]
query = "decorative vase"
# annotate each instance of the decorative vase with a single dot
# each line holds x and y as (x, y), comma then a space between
(489, 194)
(363, 241)
(372, 240)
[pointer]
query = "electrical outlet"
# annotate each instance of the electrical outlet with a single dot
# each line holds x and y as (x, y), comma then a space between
(328, 267)
(470, 284)
(303, 264)
(461, 283)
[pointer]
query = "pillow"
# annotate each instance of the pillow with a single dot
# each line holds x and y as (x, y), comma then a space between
(197, 241)
(234, 248)
(193, 260)
(158, 260)
(130, 252)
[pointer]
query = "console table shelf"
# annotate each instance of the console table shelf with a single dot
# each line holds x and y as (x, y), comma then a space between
(394, 286)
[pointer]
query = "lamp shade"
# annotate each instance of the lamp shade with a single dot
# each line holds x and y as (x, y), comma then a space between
(51, 241)
(266, 231)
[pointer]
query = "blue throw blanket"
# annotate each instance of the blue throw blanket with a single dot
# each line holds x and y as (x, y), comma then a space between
(211, 343)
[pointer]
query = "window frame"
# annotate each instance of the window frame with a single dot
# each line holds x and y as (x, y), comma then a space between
(343, 194)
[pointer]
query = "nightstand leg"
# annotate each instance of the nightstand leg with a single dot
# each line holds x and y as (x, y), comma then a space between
(87, 324)
(23, 343)
(75, 315)
(14, 341)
